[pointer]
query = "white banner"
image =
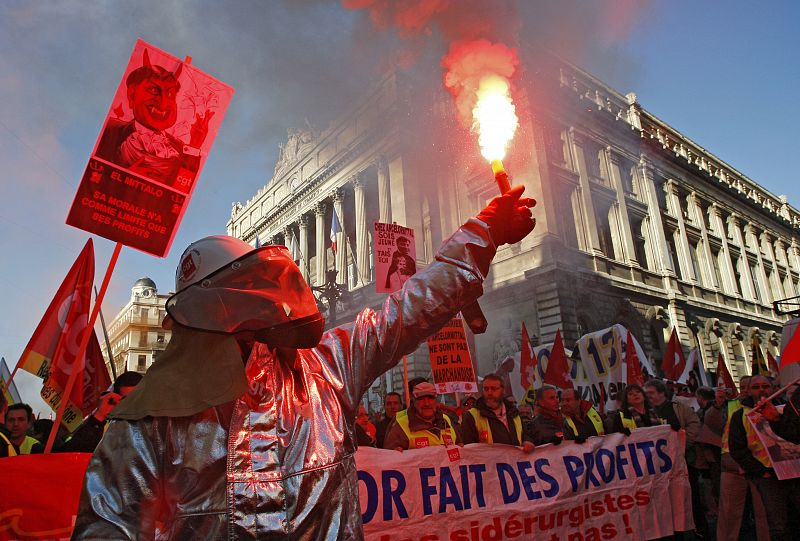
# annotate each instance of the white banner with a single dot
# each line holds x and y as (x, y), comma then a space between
(601, 365)
(614, 487)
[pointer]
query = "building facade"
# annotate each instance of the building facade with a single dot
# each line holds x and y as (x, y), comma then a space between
(135, 333)
(636, 223)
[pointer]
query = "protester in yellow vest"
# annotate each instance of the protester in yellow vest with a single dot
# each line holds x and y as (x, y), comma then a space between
(581, 420)
(19, 419)
(494, 419)
(733, 485)
(422, 425)
(635, 412)
(748, 451)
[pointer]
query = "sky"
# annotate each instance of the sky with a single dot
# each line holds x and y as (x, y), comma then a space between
(723, 73)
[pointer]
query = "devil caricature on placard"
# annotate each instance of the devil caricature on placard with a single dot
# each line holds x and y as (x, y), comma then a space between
(145, 139)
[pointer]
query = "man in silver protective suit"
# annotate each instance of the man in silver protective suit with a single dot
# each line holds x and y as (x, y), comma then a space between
(244, 428)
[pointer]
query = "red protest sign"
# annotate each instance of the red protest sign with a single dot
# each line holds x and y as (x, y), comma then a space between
(40, 495)
(154, 142)
(451, 363)
(395, 256)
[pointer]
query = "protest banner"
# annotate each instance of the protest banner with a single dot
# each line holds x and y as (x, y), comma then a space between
(451, 362)
(599, 363)
(154, 141)
(785, 455)
(395, 256)
(40, 495)
(613, 487)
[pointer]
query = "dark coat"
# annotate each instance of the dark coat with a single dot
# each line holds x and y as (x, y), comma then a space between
(500, 434)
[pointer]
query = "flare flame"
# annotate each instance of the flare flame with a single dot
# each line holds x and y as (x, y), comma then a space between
(494, 117)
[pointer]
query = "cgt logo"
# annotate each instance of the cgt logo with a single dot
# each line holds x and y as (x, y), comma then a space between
(454, 454)
(189, 266)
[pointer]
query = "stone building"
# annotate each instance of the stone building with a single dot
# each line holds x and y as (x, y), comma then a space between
(636, 223)
(135, 333)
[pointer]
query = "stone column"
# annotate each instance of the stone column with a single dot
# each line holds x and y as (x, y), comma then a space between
(660, 248)
(305, 222)
(674, 202)
(752, 238)
(384, 191)
(341, 237)
(726, 269)
(794, 256)
(362, 231)
(320, 210)
(705, 262)
(288, 234)
(591, 235)
(623, 217)
(770, 263)
(748, 290)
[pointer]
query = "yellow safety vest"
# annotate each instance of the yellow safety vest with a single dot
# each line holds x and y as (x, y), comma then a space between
(733, 406)
(485, 432)
(7, 442)
(27, 445)
(596, 420)
(425, 438)
(627, 422)
(753, 441)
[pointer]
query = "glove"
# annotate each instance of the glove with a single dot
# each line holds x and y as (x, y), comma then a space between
(626, 431)
(509, 216)
(675, 425)
(557, 440)
(580, 439)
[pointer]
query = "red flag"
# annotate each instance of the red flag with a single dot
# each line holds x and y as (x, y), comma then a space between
(723, 376)
(95, 376)
(791, 353)
(634, 368)
(557, 367)
(51, 351)
(673, 362)
(772, 363)
(527, 361)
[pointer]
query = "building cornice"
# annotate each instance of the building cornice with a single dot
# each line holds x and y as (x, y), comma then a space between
(627, 109)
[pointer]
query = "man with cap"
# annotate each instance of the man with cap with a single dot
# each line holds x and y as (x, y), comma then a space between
(244, 429)
(422, 425)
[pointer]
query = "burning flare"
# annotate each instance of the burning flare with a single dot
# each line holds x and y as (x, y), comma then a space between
(494, 117)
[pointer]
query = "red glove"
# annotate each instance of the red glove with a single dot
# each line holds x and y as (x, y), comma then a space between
(509, 216)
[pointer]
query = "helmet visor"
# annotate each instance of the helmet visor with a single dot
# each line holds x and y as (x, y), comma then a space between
(260, 290)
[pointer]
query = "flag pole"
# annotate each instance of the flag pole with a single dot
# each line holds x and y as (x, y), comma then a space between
(79, 357)
(105, 336)
(406, 392)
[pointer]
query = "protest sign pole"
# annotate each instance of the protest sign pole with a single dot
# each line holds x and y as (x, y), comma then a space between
(79, 357)
(773, 395)
(406, 392)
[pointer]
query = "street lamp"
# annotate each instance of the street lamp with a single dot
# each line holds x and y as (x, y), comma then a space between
(331, 293)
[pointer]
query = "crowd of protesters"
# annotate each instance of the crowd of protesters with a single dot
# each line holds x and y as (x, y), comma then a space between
(22, 434)
(735, 492)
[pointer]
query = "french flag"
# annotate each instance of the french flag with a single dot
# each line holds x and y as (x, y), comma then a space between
(336, 228)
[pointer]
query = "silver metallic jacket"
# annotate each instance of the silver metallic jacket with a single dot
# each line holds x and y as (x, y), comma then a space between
(281, 467)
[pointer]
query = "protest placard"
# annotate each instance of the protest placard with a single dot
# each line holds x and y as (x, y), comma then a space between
(613, 487)
(451, 362)
(596, 369)
(395, 256)
(155, 139)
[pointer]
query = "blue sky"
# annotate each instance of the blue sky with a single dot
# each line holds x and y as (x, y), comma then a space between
(723, 73)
